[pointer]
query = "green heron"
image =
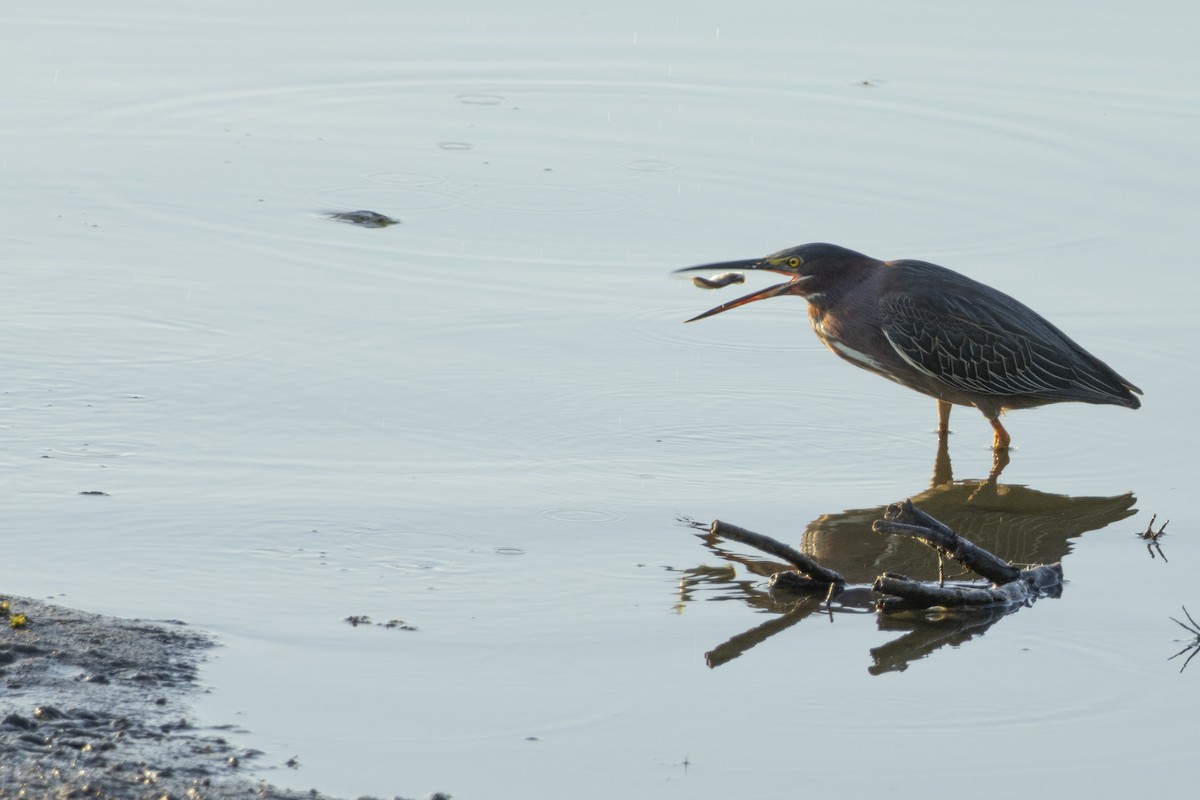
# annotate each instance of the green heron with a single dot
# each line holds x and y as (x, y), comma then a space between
(935, 331)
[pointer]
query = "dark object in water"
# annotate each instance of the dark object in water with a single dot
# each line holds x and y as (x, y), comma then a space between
(365, 219)
(719, 281)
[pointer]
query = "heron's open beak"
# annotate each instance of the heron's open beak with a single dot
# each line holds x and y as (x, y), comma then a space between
(791, 287)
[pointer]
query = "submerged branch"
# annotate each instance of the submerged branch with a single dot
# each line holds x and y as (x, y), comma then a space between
(904, 594)
(1010, 585)
(810, 567)
(908, 520)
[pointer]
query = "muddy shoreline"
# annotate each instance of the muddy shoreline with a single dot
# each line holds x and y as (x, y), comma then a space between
(97, 706)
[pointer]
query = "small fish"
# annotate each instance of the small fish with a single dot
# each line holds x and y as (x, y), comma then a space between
(719, 281)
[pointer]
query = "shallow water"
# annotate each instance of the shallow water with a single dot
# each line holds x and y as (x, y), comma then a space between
(487, 421)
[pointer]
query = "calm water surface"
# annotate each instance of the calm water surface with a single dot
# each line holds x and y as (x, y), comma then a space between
(488, 420)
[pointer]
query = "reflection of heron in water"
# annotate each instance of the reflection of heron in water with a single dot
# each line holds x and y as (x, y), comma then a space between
(1020, 524)
(1016, 522)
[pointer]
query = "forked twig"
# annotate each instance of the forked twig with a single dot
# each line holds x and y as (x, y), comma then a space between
(1152, 536)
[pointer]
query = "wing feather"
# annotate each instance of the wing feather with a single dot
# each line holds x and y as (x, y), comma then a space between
(979, 340)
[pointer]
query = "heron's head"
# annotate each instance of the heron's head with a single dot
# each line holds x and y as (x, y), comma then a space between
(812, 270)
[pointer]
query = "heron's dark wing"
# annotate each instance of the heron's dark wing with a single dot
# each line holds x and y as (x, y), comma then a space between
(979, 340)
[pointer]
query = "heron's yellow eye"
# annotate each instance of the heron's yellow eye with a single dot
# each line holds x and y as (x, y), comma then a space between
(794, 262)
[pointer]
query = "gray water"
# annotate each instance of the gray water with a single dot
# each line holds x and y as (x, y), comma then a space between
(487, 421)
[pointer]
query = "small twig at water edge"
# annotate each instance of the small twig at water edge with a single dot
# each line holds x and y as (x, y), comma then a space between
(1193, 646)
(1152, 536)
(834, 588)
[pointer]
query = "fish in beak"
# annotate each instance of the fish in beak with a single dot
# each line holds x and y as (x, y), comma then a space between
(770, 264)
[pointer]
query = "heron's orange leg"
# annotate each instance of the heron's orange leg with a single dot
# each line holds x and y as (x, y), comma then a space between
(943, 417)
(1001, 439)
